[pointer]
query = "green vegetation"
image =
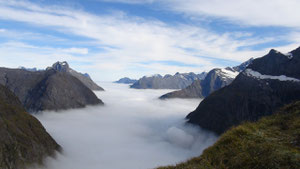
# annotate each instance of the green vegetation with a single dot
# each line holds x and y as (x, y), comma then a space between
(23, 139)
(271, 143)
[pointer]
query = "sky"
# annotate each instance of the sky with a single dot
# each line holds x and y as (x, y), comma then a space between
(110, 39)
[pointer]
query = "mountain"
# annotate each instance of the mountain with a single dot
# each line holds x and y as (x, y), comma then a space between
(84, 78)
(29, 69)
(214, 80)
(47, 90)
(126, 80)
(265, 85)
(23, 139)
(177, 81)
(272, 142)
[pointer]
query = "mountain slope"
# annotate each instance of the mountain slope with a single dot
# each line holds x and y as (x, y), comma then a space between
(177, 81)
(272, 142)
(214, 80)
(126, 80)
(23, 139)
(50, 89)
(84, 78)
(258, 91)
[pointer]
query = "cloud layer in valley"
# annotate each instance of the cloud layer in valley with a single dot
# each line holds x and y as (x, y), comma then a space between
(134, 130)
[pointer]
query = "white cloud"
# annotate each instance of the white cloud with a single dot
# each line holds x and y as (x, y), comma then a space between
(134, 130)
(248, 12)
(82, 51)
(127, 41)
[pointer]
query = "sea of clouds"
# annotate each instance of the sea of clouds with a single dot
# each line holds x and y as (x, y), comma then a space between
(134, 130)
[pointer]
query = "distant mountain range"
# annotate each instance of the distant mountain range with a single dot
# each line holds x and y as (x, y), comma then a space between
(23, 139)
(265, 85)
(58, 87)
(214, 80)
(126, 80)
(177, 81)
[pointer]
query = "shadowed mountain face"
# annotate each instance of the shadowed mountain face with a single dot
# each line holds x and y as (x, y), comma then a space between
(214, 80)
(47, 90)
(267, 84)
(126, 80)
(177, 81)
(84, 78)
(23, 139)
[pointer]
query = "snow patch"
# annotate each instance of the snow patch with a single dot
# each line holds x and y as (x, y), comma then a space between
(289, 55)
(228, 73)
(250, 72)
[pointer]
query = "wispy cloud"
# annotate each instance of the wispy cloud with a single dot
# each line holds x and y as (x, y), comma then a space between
(248, 12)
(124, 41)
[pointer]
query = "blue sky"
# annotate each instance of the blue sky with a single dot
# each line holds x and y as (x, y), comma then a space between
(110, 39)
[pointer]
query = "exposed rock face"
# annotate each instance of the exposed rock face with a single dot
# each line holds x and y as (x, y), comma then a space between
(47, 90)
(267, 84)
(178, 81)
(126, 80)
(23, 139)
(84, 78)
(214, 80)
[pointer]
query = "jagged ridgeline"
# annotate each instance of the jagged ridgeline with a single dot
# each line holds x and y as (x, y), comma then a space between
(177, 81)
(271, 143)
(58, 87)
(23, 141)
(265, 85)
(84, 78)
(212, 81)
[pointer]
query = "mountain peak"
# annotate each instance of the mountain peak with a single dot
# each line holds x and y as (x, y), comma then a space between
(61, 66)
(273, 51)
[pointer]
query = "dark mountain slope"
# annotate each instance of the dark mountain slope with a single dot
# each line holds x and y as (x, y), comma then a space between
(267, 84)
(272, 142)
(23, 139)
(50, 89)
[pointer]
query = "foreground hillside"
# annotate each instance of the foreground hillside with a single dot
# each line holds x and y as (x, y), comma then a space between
(271, 143)
(23, 139)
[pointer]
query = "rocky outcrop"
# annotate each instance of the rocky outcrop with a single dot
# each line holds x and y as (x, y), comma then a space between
(177, 81)
(47, 90)
(84, 78)
(268, 83)
(126, 80)
(214, 80)
(23, 139)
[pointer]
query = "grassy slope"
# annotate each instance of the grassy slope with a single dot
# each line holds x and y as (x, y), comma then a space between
(23, 139)
(271, 143)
